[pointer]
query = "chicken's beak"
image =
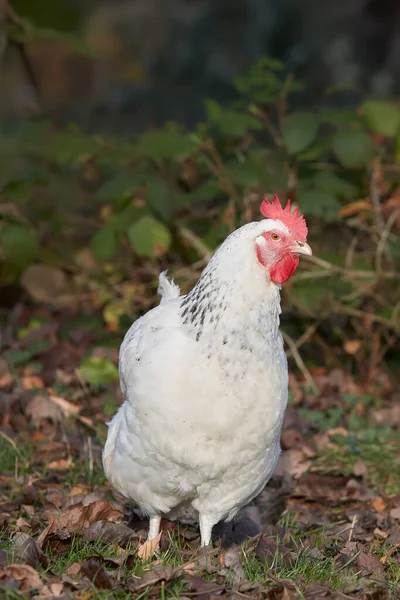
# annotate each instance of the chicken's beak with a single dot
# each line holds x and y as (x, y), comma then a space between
(301, 248)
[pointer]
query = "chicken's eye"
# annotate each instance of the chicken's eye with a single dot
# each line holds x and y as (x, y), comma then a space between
(275, 237)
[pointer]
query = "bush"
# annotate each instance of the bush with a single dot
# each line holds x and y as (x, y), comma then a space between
(172, 196)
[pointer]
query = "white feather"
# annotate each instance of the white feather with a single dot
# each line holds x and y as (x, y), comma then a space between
(168, 290)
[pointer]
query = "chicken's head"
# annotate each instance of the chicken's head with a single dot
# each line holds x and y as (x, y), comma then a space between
(278, 247)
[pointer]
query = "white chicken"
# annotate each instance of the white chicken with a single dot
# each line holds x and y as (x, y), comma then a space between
(205, 382)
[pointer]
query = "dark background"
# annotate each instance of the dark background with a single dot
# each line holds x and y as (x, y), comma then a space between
(156, 60)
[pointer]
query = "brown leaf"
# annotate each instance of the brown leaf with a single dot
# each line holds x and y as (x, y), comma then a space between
(27, 550)
(64, 464)
(368, 563)
(41, 407)
(68, 408)
(380, 533)
(393, 538)
(44, 283)
(360, 469)
(158, 573)
(73, 569)
(204, 588)
(355, 207)
(395, 513)
(93, 570)
(267, 549)
(21, 524)
(110, 532)
(149, 547)
(352, 346)
(30, 382)
(389, 553)
(390, 416)
(295, 462)
(378, 504)
(27, 576)
(79, 517)
(56, 589)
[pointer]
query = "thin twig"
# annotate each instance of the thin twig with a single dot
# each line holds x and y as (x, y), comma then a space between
(90, 457)
(375, 196)
(383, 239)
(195, 242)
(299, 362)
(10, 12)
(354, 521)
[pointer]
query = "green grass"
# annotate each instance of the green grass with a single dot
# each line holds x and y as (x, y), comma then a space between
(16, 458)
(378, 446)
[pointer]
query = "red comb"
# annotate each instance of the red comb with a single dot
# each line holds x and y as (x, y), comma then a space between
(293, 221)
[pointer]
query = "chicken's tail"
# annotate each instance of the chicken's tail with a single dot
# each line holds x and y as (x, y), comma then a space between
(168, 290)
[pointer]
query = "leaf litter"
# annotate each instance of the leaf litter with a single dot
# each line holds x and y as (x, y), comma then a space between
(326, 526)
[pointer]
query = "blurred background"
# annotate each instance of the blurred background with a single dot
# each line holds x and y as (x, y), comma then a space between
(154, 61)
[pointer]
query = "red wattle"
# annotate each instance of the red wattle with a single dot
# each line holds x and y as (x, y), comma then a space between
(284, 268)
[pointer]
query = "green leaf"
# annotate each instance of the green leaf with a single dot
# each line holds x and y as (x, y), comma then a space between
(320, 203)
(104, 243)
(160, 197)
(394, 248)
(382, 117)
(213, 110)
(245, 173)
(149, 237)
(330, 182)
(164, 144)
(98, 371)
(353, 149)
(236, 124)
(299, 130)
(206, 191)
(120, 185)
(19, 245)
(338, 116)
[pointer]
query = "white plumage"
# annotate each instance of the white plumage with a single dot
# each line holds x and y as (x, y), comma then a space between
(204, 377)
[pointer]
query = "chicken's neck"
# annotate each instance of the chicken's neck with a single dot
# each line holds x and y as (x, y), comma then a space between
(245, 305)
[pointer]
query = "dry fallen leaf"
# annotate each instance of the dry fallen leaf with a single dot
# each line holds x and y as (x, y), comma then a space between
(73, 569)
(41, 407)
(69, 408)
(352, 346)
(93, 570)
(28, 551)
(360, 468)
(378, 504)
(29, 382)
(395, 513)
(295, 462)
(110, 532)
(44, 283)
(27, 576)
(79, 517)
(147, 549)
(64, 464)
(369, 563)
(380, 533)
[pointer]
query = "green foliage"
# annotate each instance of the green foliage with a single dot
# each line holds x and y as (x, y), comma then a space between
(135, 196)
(138, 186)
(98, 371)
(149, 237)
(382, 117)
(353, 149)
(299, 131)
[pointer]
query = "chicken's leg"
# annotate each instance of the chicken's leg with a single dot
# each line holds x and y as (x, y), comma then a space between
(154, 527)
(207, 522)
